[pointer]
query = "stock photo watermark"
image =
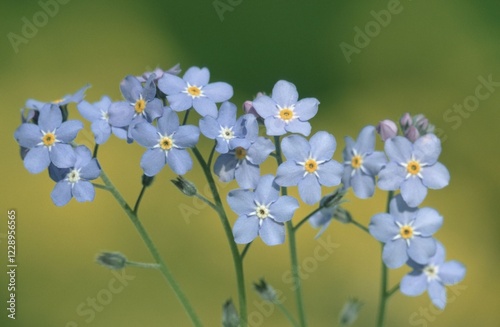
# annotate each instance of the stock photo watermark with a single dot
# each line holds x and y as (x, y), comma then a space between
(89, 308)
(372, 29)
(11, 264)
(223, 6)
(31, 26)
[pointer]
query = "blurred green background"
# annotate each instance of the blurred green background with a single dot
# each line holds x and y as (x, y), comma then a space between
(426, 60)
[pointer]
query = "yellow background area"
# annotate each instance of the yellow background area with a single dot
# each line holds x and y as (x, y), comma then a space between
(427, 59)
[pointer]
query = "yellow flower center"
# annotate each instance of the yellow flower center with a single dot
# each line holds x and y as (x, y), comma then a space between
(140, 105)
(311, 165)
(194, 91)
(58, 101)
(406, 232)
(286, 114)
(357, 161)
(49, 139)
(413, 167)
(166, 143)
(240, 153)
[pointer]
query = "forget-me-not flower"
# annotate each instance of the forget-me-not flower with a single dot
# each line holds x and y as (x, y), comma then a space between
(309, 165)
(166, 143)
(362, 163)
(175, 70)
(68, 98)
(282, 112)
(193, 90)
(74, 181)
(97, 114)
(413, 167)
(244, 164)
(407, 233)
(433, 277)
(141, 104)
(261, 212)
(48, 141)
(228, 132)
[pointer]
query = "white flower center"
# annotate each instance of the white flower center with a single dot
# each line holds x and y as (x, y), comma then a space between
(431, 271)
(73, 176)
(104, 116)
(226, 133)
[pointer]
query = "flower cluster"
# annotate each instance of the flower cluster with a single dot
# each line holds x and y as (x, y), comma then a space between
(149, 113)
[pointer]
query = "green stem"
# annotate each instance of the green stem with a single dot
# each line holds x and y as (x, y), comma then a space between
(143, 265)
(384, 294)
(360, 226)
(207, 201)
(96, 148)
(186, 117)
(139, 198)
(104, 187)
(237, 259)
(306, 218)
(287, 314)
(245, 250)
(153, 250)
(393, 290)
(292, 244)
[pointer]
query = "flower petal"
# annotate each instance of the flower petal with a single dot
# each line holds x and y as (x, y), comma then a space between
(171, 84)
(427, 221)
(179, 160)
(274, 126)
(210, 127)
(267, 191)
(245, 229)
(180, 101)
(365, 142)
(363, 185)
(374, 162)
(120, 114)
(435, 176)
(422, 249)
(197, 76)
(152, 161)
(398, 149)
(145, 134)
(297, 126)
(218, 91)
(37, 159)
(309, 189)
(391, 177)
(50, 118)
(437, 294)
(83, 191)
(451, 272)
(68, 130)
(394, 253)
(62, 155)
(330, 173)
(413, 191)
(272, 232)
(265, 106)
(383, 228)
(28, 135)
(89, 111)
(101, 130)
(260, 150)
(91, 170)
(283, 209)
(289, 174)
(414, 283)
(227, 115)
(205, 106)
(247, 174)
(241, 201)
(427, 149)
(225, 166)
(187, 136)
(296, 148)
(131, 88)
(61, 194)
(323, 146)
(306, 108)
(285, 94)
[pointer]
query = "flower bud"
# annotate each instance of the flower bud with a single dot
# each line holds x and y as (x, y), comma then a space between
(333, 199)
(249, 109)
(350, 312)
(387, 129)
(405, 121)
(342, 215)
(230, 315)
(147, 180)
(185, 186)
(112, 260)
(412, 133)
(266, 291)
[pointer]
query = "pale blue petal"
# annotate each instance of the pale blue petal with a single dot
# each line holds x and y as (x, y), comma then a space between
(186, 136)
(347, 153)
(241, 201)
(171, 84)
(437, 294)
(391, 177)
(383, 228)
(83, 191)
(245, 229)
(422, 249)
(365, 142)
(427, 149)
(152, 161)
(267, 191)
(120, 114)
(394, 253)
(260, 150)
(205, 106)
(145, 134)
(436, 176)
(296, 148)
(272, 232)
(297, 126)
(154, 109)
(363, 185)
(180, 161)
(289, 174)
(285, 93)
(120, 132)
(50, 118)
(218, 92)
(131, 88)
(37, 159)
(197, 76)
(413, 191)
(414, 283)
(306, 108)
(398, 149)
(330, 173)
(28, 135)
(91, 170)
(283, 209)
(323, 146)
(401, 212)
(265, 106)
(227, 115)
(89, 111)
(451, 272)
(180, 101)
(309, 189)
(225, 166)
(168, 123)
(274, 126)
(427, 221)
(149, 90)
(374, 162)
(61, 194)
(62, 155)
(222, 146)
(210, 127)
(83, 156)
(247, 174)
(101, 130)
(68, 130)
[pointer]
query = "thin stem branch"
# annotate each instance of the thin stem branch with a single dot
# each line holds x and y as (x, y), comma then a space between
(207, 201)
(211, 157)
(287, 314)
(392, 290)
(306, 218)
(104, 187)
(186, 115)
(360, 226)
(237, 260)
(139, 198)
(153, 250)
(143, 265)
(96, 148)
(245, 250)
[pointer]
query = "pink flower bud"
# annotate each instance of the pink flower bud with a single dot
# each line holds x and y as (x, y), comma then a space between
(387, 129)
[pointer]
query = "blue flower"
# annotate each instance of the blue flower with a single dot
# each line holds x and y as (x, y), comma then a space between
(74, 181)
(193, 90)
(413, 168)
(243, 164)
(433, 277)
(362, 163)
(175, 70)
(166, 144)
(97, 114)
(261, 212)
(68, 98)
(407, 233)
(282, 112)
(48, 141)
(141, 104)
(229, 132)
(309, 165)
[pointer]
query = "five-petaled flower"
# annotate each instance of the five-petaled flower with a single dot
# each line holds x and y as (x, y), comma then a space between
(48, 141)
(261, 212)
(166, 143)
(309, 165)
(97, 114)
(407, 233)
(193, 90)
(74, 181)
(68, 98)
(228, 132)
(362, 163)
(413, 167)
(433, 277)
(282, 112)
